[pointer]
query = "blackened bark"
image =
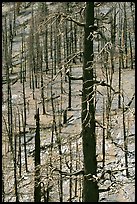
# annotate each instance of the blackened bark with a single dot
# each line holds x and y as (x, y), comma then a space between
(120, 58)
(90, 188)
(69, 102)
(37, 187)
(19, 155)
(125, 34)
(131, 52)
(125, 142)
(24, 122)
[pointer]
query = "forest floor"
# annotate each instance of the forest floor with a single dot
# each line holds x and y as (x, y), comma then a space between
(122, 188)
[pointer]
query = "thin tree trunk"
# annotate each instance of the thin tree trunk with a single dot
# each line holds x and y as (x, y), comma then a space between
(19, 155)
(10, 42)
(119, 84)
(42, 87)
(25, 118)
(125, 33)
(103, 145)
(76, 180)
(70, 166)
(69, 102)
(125, 142)
(37, 187)
(131, 52)
(25, 149)
(120, 58)
(113, 37)
(46, 49)
(15, 170)
(58, 138)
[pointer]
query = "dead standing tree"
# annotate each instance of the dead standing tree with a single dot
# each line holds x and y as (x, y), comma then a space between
(37, 187)
(90, 188)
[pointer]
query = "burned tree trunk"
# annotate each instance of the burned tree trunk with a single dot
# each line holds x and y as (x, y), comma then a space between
(37, 187)
(90, 188)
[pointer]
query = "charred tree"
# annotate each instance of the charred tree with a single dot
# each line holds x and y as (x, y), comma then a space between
(24, 117)
(37, 187)
(90, 187)
(69, 99)
(19, 150)
(120, 58)
(125, 35)
(58, 139)
(113, 38)
(131, 51)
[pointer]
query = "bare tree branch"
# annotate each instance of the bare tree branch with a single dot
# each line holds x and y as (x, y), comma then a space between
(69, 18)
(79, 172)
(102, 83)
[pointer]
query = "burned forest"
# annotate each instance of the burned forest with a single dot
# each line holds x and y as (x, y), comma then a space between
(68, 102)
